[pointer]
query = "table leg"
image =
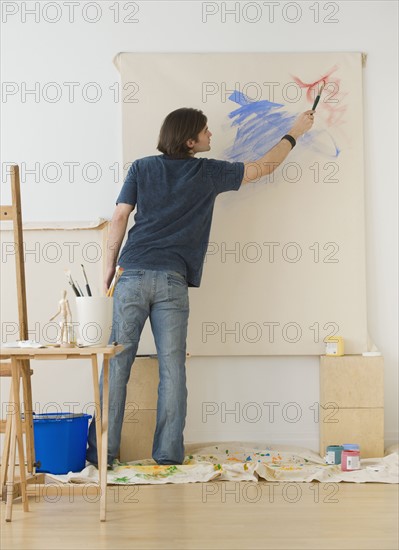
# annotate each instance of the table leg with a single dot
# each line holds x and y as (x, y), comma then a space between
(97, 414)
(28, 414)
(104, 443)
(16, 438)
(16, 375)
(11, 470)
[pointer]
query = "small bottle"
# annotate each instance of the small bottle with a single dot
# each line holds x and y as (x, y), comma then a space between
(350, 458)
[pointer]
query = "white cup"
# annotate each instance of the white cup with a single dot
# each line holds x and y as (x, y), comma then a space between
(94, 317)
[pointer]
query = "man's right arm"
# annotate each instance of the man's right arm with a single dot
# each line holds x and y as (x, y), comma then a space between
(275, 156)
(116, 234)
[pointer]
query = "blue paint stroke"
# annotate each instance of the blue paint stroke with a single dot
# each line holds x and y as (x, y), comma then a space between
(260, 125)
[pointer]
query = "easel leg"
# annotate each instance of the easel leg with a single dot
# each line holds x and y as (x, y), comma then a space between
(104, 444)
(7, 440)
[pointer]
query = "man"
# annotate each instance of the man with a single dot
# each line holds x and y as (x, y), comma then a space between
(174, 194)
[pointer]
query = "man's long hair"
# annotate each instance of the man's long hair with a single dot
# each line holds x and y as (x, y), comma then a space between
(178, 127)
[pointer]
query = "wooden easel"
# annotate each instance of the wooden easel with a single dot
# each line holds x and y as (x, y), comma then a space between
(13, 213)
(17, 365)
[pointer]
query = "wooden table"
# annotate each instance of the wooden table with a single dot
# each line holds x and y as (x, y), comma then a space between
(19, 364)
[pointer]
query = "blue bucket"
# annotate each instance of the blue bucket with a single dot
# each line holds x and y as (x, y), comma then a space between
(60, 442)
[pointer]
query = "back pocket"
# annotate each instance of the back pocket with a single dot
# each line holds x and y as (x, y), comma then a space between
(129, 284)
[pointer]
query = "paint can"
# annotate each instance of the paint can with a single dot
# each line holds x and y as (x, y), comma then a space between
(350, 459)
(334, 346)
(333, 454)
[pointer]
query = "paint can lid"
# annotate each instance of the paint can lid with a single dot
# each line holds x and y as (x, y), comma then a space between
(350, 447)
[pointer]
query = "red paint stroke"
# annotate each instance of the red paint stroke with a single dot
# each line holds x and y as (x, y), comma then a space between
(332, 95)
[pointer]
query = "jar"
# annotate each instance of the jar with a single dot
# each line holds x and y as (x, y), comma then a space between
(334, 346)
(350, 458)
(333, 454)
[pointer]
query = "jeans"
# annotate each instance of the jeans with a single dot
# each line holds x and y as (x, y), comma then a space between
(163, 296)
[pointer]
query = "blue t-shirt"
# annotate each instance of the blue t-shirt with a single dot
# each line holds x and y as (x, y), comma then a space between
(175, 200)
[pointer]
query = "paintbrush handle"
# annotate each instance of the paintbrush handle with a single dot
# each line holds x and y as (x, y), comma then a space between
(115, 279)
(79, 289)
(86, 280)
(74, 289)
(316, 101)
(111, 286)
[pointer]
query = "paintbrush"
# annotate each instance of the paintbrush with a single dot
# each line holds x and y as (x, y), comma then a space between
(78, 287)
(118, 273)
(316, 101)
(69, 277)
(87, 282)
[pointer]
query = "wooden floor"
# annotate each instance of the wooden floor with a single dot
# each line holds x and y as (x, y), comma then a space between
(215, 515)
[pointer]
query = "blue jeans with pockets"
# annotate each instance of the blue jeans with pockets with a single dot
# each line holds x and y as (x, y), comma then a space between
(162, 296)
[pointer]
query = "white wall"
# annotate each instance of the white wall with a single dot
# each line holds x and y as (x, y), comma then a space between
(76, 129)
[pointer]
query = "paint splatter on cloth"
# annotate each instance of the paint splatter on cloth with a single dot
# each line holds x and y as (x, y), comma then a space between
(242, 461)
